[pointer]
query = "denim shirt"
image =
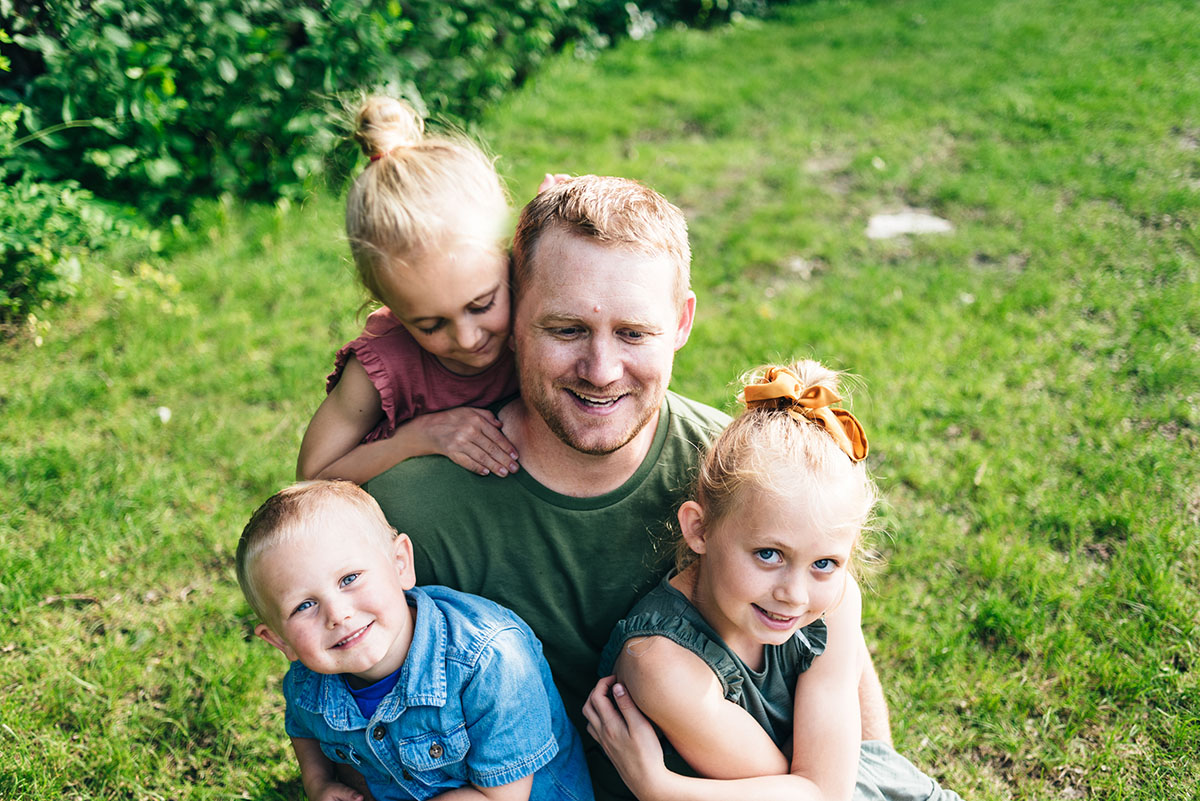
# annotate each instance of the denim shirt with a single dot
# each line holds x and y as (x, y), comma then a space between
(475, 703)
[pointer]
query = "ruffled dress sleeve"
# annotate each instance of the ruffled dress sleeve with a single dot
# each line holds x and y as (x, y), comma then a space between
(383, 347)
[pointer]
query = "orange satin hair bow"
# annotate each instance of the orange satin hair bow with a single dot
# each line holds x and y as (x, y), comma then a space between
(780, 389)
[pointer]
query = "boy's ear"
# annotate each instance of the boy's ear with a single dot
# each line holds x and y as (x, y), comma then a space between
(265, 633)
(403, 551)
(691, 525)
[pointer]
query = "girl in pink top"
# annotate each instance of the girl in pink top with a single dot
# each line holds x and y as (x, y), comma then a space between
(425, 221)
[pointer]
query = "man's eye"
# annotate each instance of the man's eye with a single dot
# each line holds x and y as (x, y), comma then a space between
(633, 336)
(348, 580)
(568, 331)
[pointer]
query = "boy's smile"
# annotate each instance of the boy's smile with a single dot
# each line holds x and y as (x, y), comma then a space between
(336, 600)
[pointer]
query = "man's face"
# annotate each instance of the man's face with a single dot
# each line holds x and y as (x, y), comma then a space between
(596, 331)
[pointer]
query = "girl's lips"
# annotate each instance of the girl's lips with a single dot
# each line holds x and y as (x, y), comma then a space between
(778, 622)
(354, 638)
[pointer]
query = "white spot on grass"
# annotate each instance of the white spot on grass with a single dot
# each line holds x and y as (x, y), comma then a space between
(887, 226)
(164, 414)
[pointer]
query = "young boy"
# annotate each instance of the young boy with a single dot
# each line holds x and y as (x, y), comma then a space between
(425, 691)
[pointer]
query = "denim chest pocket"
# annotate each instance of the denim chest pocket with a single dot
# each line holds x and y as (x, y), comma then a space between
(435, 757)
(341, 752)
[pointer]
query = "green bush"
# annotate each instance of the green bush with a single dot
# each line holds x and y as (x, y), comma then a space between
(49, 233)
(157, 102)
(167, 101)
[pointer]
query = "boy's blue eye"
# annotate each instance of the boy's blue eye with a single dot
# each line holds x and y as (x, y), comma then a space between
(348, 580)
(768, 555)
(824, 565)
(304, 605)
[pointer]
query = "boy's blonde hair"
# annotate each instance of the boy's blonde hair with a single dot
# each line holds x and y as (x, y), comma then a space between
(770, 450)
(611, 211)
(418, 193)
(303, 509)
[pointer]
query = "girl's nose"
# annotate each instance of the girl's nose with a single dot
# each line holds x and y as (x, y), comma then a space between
(470, 337)
(792, 590)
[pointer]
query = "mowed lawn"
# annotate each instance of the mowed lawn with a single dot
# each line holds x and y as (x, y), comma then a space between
(1030, 382)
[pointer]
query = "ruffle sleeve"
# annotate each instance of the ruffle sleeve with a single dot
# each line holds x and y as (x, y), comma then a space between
(681, 632)
(809, 643)
(374, 352)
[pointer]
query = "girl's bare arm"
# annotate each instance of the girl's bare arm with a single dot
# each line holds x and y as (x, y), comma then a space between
(332, 446)
(826, 732)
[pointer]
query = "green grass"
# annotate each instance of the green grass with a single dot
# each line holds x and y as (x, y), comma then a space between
(1032, 392)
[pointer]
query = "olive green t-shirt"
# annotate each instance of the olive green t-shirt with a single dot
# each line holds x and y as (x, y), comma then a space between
(570, 567)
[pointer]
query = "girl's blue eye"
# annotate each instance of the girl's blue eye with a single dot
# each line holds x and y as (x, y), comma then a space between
(824, 565)
(768, 555)
(348, 580)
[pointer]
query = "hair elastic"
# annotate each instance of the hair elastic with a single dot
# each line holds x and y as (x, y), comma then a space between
(780, 389)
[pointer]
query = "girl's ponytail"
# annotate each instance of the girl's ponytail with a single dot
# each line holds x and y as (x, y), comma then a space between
(384, 124)
(419, 193)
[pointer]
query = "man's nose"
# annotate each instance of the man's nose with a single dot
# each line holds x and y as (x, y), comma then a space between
(601, 365)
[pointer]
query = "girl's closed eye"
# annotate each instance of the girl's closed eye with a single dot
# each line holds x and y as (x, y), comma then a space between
(348, 579)
(483, 308)
(432, 329)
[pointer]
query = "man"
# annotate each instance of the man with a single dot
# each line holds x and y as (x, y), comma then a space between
(602, 302)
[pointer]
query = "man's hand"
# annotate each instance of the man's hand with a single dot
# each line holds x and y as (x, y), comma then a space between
(470, 438)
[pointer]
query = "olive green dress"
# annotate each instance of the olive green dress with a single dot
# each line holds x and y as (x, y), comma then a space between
(767, 694)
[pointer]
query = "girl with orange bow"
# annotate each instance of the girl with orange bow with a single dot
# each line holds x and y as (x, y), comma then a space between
(747, 657)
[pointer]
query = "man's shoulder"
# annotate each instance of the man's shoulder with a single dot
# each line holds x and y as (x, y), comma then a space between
(697, 422)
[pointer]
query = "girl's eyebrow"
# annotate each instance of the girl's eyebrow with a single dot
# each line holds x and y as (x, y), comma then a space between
(487, 293)
(474, 300)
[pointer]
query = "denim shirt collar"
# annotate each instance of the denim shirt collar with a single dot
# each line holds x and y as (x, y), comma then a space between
(422, 677)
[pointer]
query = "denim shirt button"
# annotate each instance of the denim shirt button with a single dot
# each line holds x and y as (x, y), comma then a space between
(407, 776)
(379, 733)
(436, 750)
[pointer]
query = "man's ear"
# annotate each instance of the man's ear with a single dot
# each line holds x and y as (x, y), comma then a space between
(265, 633)
(686, 317)
(403, 551)
(691, 525)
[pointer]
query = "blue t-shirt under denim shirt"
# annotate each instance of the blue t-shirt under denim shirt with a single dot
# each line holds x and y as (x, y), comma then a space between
(474, 703)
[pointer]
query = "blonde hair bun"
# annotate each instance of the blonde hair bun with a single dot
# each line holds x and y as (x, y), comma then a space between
(384, 124)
